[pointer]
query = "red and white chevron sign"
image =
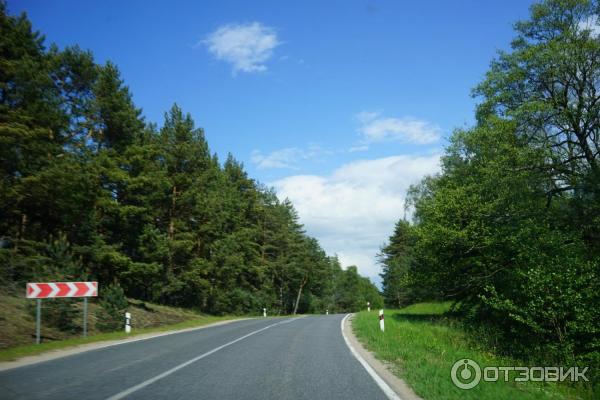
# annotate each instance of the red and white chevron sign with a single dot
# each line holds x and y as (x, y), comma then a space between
(62, 289)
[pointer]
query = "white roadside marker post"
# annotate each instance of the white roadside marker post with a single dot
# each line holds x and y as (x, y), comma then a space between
(264, 312)
(381, 322)
(368, 306)
(127, 322)
(327, 312)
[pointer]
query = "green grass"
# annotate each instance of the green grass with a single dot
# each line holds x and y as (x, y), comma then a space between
(32, 349)
(17, 323)
(422, 344)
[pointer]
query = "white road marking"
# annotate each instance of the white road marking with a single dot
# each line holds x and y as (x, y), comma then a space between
(4, 366)
(380, 382)
(150, 381)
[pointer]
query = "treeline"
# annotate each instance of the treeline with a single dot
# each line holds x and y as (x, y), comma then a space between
(510, 228)
(88, 190)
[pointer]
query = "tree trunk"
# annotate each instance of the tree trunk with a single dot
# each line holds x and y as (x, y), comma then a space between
(304, 280)
(171, 231)
(172, 213)
(281, 310)
(22, 226)
(21, 230)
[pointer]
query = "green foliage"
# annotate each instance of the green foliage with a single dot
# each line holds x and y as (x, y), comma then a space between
(422, 342)
(354, 291)
(509, 229)
(89, 191)
(111, 316)
(62, 314)
(397, 260)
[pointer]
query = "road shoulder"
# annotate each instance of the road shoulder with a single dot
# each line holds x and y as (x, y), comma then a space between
(395, 383)
(54, 354)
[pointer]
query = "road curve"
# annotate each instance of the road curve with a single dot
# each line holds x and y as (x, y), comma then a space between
(271, 358)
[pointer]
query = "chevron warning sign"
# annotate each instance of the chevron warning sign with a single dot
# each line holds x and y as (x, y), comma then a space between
(62, 289)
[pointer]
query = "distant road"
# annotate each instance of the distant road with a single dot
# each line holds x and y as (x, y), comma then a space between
(301, 358)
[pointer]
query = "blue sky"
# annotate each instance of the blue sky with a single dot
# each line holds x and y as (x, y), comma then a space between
(340, 105)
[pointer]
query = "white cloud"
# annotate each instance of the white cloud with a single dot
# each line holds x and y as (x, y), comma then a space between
(355, 149)
(282, 158)
(287, 157)
(246, 46)
(590, 24)
(352, 212)
(367, 116)
(376, 128)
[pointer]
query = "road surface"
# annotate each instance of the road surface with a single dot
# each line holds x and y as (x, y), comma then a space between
(271, 358)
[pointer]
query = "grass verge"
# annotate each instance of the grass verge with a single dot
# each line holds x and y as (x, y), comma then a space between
(33, 349)
(421, 345)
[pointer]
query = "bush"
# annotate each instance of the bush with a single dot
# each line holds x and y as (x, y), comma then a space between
(63, 314)
(113, 304)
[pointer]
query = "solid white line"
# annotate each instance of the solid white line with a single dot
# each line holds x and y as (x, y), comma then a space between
(150, 381)
(4, 366)
(380, 382)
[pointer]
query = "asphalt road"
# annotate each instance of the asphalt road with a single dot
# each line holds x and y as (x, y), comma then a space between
(300, 358)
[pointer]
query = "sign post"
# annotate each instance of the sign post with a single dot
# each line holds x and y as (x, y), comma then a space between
(38, 320)
(84, 316)
(47, 290)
